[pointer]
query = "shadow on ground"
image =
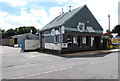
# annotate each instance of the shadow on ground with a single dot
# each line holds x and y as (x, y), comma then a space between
(74, 55)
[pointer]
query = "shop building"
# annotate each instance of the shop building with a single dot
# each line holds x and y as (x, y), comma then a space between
(75, 30)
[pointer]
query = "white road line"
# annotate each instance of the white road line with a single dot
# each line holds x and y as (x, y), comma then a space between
(103, 61)
(43, 72)
(59, 69)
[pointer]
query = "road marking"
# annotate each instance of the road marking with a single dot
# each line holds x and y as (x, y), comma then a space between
(43, 72)
(59, 69)
(103, 61)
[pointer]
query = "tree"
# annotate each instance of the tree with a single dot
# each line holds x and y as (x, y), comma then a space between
(17, 31)
(116, 29)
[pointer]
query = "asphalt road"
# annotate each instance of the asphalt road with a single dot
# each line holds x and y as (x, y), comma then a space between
(34, 65)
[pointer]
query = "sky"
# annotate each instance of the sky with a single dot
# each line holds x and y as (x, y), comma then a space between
(16, 13)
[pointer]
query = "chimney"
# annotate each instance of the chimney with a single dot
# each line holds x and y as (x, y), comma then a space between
(69, 8)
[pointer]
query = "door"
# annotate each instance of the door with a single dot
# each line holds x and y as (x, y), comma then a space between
(97, 42)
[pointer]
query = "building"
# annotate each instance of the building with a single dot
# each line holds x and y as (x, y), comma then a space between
(75, 30)
(17, 39)
(0, 37)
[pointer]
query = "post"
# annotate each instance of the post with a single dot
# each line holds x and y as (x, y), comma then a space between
(109, 28)
(60, 43)
(109, 22)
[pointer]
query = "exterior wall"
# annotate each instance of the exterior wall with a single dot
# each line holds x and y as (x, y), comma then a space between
(21, 38)
(50, 40)
(31, 44)
(90, 41)
(0, 38)
(11, 42)
(85, 16)
(5, 42)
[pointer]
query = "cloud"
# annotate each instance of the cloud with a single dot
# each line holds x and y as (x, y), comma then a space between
(15, 3)
(100, 9)
(40, 17)
(33, 17)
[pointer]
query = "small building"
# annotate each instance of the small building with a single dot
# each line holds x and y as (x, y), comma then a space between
(5, 42)
(17, 39)
(75, 30)
(0, 37)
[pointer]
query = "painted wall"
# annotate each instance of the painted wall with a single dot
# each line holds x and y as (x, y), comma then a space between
(32, 44)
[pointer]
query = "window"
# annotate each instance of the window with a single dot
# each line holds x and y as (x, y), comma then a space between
(84, 40)
(92, 41)
(56, 39)
(74, 40)
(69, 40)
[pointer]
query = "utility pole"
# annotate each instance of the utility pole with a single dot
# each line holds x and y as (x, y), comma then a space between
(109, 29)
(109, 22)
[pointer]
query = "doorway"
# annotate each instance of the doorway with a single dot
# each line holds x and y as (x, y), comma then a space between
(15, 41)
(97, 42)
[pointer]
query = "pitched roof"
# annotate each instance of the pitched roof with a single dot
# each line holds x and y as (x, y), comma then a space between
(61, 19)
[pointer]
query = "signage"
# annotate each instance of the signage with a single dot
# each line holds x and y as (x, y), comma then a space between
(53, 32)
(81, 26)
(57, 32)
(90, 29)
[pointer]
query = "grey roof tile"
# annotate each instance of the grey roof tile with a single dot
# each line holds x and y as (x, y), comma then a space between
(61, 19)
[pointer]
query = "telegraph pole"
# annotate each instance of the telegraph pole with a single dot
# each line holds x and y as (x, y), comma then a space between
(109, 22)
(109, 28)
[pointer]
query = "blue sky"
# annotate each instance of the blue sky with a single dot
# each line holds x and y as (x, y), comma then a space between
(38, 13)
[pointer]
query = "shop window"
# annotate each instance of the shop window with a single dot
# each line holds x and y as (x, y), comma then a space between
(92, 41)
(69, 40)
(74, 40)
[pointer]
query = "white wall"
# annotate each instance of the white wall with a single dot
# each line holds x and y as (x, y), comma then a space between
(53, 46)
(32, 44)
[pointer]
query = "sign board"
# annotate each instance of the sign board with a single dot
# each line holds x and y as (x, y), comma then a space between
(90, 29)
(115, 41)
(53, 32)
(81, 26)
(57, 32)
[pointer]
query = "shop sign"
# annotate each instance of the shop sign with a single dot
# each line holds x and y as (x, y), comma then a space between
(90, 29)
(53, 32)
(81, 26)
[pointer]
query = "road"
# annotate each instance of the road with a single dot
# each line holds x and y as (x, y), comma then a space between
(34, 65)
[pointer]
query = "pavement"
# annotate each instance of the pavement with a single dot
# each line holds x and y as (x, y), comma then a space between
(90, 53)
(36, 65)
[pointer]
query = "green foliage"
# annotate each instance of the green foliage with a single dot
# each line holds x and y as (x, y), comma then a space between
(116, 29)
(17, 31)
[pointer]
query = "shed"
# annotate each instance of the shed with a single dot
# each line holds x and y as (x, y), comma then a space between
(17, 39)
